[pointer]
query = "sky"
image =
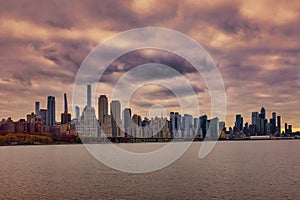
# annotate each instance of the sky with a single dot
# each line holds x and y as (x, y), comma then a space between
(255, 44)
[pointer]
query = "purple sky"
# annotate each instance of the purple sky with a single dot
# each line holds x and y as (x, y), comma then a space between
(255, 43)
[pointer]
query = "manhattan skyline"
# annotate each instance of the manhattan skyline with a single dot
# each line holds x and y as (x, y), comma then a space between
(132, 124)
(257, 55)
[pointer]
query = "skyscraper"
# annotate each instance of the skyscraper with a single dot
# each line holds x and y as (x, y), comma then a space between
(279, 125)
(254, 119)
(175, 124)
(197, 127)
(239, 123)
(65, 116)
(187, 122)
(115, 112)
(88, 124)
(172, 124)
(290, 129)
(213, 130)
(37, 108)
(203, 125)
(50, 111)
(127, 121)
(263, 113)
(274, 116)
(178, 124)
(77, 112)
(89, 96)
(43, 114)
(262, 122)
(102, 108)
(272, 126)
(136, 125)
(137, 120)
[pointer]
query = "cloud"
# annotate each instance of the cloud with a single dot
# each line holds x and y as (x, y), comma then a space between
(255, 45)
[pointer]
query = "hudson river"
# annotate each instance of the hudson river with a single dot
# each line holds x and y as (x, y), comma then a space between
(233, 170)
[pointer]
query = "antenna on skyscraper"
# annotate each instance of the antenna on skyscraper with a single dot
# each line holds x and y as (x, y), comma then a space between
(66, 103)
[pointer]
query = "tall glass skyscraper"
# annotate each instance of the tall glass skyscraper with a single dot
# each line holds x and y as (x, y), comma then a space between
(50, 111)
(127, 121)
(102, 108)
(239, 123)
(255, 123)
(115, 112)
(43, 114)
(175, 124)
(37, 108)
(89, 96)
(263, 113)
(279, 125)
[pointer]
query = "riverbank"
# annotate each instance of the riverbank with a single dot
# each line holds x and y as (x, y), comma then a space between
(25, 139)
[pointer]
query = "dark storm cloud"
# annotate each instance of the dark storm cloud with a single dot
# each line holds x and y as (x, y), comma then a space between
(140, 57)
(166, 93)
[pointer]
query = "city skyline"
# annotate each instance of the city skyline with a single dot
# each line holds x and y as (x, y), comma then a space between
(257, 55)
(260, 123)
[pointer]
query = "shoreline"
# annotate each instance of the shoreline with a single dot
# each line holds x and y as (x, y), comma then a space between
(157, 140)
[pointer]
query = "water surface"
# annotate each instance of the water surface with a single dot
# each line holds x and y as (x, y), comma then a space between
(233, 170)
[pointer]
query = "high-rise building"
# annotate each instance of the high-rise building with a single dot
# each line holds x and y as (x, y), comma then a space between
(274, 116)
(106, 126)
(290, 129)
(187, 122)
(279, 125)
(213, 129)
(65, 116)
(254, 119)
(88, 124)
(175, 124)
(102, 108)
(222, 126)
(239, 123)
(89, 96)
(263, 113)
(77, 112)
(37, 108)
(178, 124)
(30, 118)
(172, 124)
(43, 114)
(137, 120)
(115, 112)
(262, 122)
(146, 130)
(127, 121)
(273, 125)
(50, 111)
(285, 128)
(136, 125)
(197, 127)
(203, 125)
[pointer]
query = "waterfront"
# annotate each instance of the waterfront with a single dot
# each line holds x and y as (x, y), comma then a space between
(233, 170)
